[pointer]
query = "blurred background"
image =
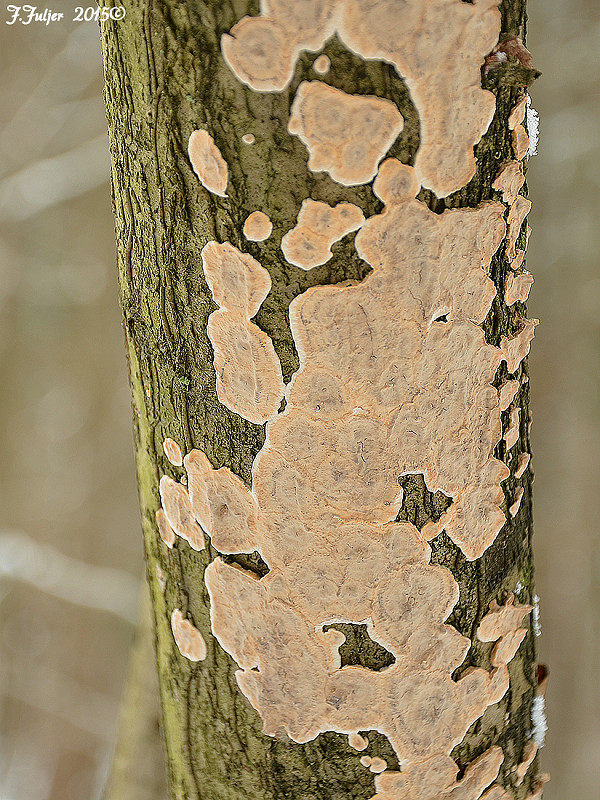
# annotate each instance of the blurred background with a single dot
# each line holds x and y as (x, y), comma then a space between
(70, 542)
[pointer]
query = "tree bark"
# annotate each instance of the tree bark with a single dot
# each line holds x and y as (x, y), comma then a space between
(165, 77)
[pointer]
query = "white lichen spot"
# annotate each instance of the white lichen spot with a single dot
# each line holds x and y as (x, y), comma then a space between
(522, 464)
(537, 625)
(322, 64)
(518, 287)
(516, 505)
(318, 227)
(538, 720)
(358, 742)
(517, 115)
(187, 637)
(248, 138)
(248, 372)
(166, 532)
(346, 135)
(533, 128)
(173, 452)
(511, 434)
(520, 142)
(208, 163)
(257, 227)
(516, 348)
(510, 181)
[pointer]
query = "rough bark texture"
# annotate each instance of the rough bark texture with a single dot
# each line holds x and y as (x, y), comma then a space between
(165, 77)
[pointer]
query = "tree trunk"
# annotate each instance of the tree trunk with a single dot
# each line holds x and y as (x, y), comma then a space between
(165, 78)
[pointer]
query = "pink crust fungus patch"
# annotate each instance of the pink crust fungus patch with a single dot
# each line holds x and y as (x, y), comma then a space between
(357, 741)
(507, 393)
(188, 638)
(517, 115)
(516, 348)
(520, 142)
(517, 260)
(322, 64)
(510, 181)
(166, 532)
(417, 36)
(394, 378)
(257, 227)
(376, 764)
(516, 216)
(208, 163)
(522, 464)
(529, 754)
(346, 135)
(248, 138)
(173, 452)
(511, 435)
(516, 504)
(249, 378)
(178, 511)
(319, 225)
(517, 287)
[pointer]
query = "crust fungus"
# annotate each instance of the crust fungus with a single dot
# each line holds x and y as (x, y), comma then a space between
(516, 505)
(248, 138)
(510, 181)
(187, 637)
(319, 226)
(517, 260)
(178, 511)
(507, 393)
(520, 142)
(346, 135)
(517, 287)
(515, 349)
(375, 765)
(166, 532)
(516, 216)
(249, 378)
(517, 115)
(529, 754)
(322, 64)
(173, 452)
(208, 163)
(522, 464)
(358, 742)
(511, 434)
(257, 227)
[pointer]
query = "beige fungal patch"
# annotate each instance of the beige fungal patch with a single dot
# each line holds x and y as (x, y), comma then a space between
(522, 464)
(178, 511)
(529, 753)
(237, 281)
(511, 434)
(520, 142)
(173, 452)
(517, 115)
(516, 216)
(188, 638)
(346, 135)
(496, 793)
(166, 532)
(257, 227)
(208, 163)
(375, 765)
(502, 620)
(322, 64)
(517, 287)
(248, 138)
(516, 505)
(358, 742)
(517, 260)
(319, 225)
(507, 393)
(516, 348)
(248, 371)
(510, 181)
(418, 37)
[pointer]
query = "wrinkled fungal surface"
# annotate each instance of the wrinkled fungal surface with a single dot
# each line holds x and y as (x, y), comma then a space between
(517, 288)
(346, 135)
(208, 163)
(395, 378)
(187, 637)
(319, 226)
(417, 36)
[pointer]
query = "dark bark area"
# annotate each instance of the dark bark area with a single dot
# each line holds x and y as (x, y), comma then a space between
(164, 78)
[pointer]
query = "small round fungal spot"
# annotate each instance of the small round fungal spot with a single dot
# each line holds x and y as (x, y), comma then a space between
(257, 227)
(322, 64)
(173, 452)
(248, 138)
